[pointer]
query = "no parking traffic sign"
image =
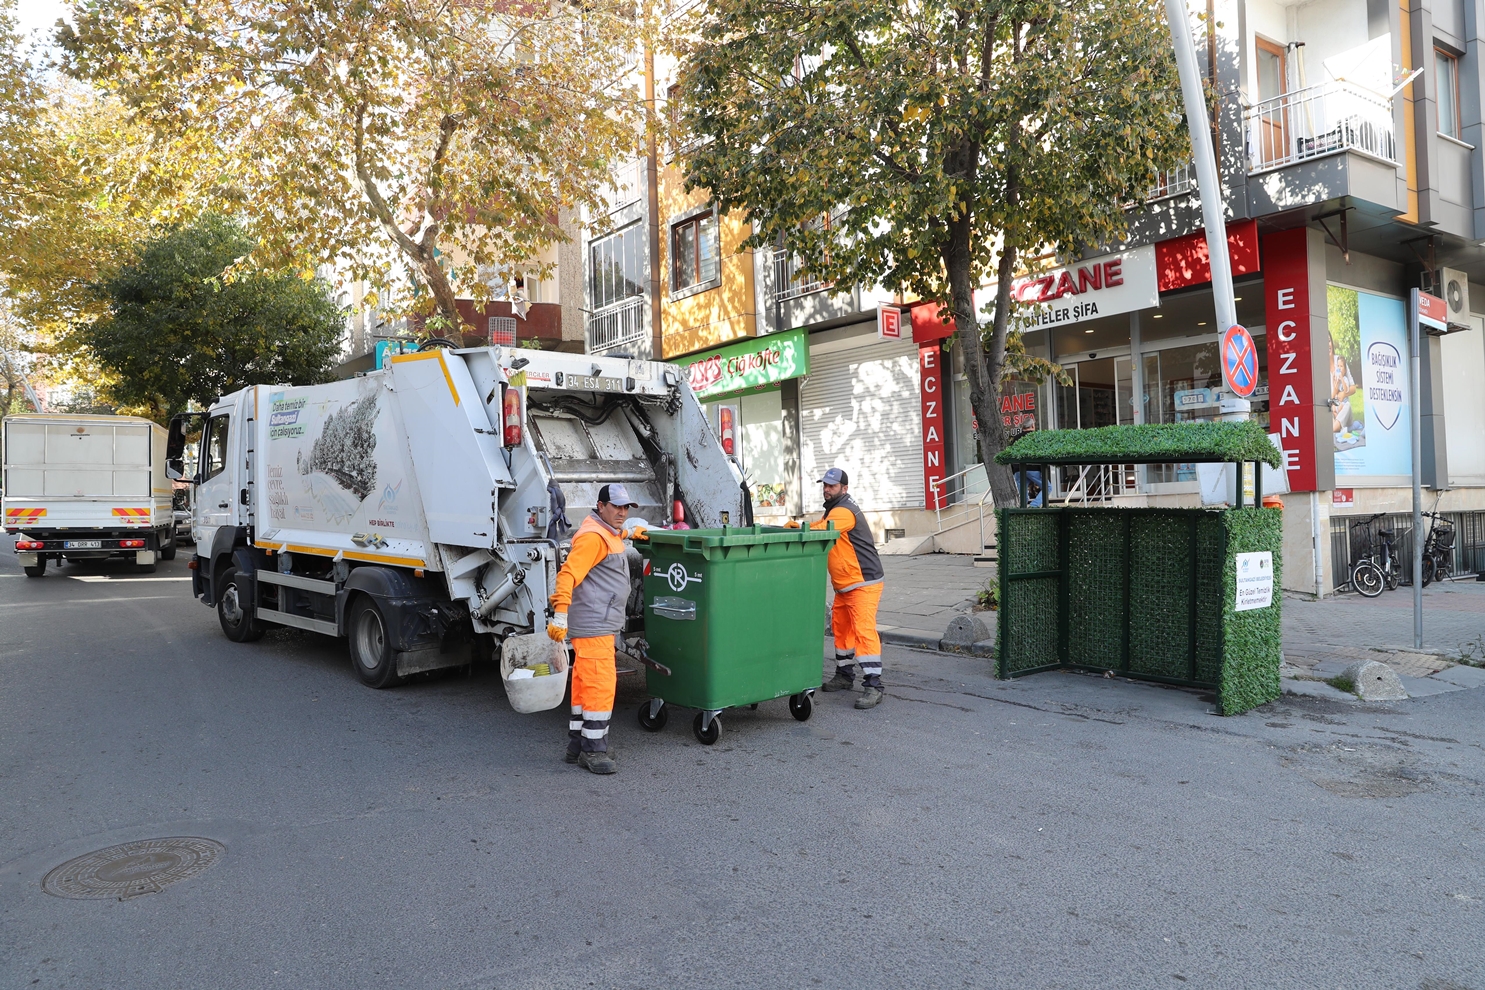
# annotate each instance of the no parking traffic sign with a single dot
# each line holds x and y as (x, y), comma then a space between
(1239, 361)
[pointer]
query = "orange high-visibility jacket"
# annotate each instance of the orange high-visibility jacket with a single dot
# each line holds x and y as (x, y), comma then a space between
(853, 559)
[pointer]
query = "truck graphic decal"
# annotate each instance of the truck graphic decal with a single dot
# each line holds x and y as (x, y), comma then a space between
(345, 449)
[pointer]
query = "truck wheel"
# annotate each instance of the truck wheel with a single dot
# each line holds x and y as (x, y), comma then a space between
(371, 647)
(38, 570)
(167, 550)
(238, 616)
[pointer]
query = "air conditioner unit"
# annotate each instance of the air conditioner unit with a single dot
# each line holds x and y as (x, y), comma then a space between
(1454, 286)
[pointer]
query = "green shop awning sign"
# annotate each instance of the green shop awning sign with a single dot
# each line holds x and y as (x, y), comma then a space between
(753, 364)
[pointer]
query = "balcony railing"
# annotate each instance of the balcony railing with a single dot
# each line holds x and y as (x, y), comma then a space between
(1320, 120)
(619, 324)
(787, 279)
(1175, 182)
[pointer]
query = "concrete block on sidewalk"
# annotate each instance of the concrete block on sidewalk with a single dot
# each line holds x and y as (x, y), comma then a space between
(1375, 681)
(967, 630)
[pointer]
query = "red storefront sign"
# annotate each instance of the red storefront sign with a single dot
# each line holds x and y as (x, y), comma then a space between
(1183, 261)
(1018, 407)
(1291, 391)
(928, 325)
(931, 393)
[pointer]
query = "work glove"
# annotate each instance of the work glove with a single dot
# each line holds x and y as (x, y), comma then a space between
(557, 627)
(639, 531)
(791, 524)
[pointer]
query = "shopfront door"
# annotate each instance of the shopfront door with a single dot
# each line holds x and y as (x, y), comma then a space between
(1101, 394)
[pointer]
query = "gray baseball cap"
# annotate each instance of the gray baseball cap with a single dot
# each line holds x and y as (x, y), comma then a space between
(835, 476)
(616, 495)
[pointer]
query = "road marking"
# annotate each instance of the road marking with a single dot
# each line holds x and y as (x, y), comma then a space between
(104, 577)
(90, 601)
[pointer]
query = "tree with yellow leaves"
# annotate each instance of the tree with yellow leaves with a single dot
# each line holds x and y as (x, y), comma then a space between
(449, 131)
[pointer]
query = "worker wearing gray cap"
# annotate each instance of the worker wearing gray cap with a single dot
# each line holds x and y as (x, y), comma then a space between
(592, 592)
(857, 576)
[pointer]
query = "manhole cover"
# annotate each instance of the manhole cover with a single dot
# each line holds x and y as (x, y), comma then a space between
(143, 867)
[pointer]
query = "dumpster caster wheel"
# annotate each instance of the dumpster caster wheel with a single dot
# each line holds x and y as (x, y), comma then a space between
(708, 734)
(652, 718)
(801, 706)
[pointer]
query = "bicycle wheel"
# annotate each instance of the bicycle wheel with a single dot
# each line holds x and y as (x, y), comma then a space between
(1367, 579)
(1427, 570)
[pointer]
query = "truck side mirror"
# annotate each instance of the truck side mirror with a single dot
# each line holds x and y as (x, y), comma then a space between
(175, 444)
(175, 468)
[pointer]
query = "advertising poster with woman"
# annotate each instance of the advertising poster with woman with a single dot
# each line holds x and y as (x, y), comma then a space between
(1368, 375)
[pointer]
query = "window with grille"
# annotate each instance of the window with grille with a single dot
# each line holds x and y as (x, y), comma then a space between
(616, 267)
(694, 251)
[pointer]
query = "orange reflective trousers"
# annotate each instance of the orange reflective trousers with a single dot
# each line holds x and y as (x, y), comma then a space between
(853, 623)
(594, 676)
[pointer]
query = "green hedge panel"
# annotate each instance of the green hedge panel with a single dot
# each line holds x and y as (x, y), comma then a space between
(1144, 443)
(1252, 640)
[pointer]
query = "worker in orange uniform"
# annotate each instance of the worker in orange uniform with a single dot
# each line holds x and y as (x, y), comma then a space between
(857, 576)
(592, 591)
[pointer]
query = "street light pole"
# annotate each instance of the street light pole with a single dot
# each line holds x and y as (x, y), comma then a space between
(1204, 158)
(1415, 375)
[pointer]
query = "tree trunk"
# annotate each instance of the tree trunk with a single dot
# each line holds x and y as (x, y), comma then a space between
(983, 369)
(443, 295)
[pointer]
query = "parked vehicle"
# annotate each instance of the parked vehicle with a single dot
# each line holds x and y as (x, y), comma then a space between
(87, 488)
(1376, 565)
(422, 505)
(1438, 549)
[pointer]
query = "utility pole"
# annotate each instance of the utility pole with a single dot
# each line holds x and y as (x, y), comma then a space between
(1208, 185)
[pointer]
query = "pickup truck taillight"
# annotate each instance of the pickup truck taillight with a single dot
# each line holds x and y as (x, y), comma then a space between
(132, 544)
(29, 545)
(191, 564)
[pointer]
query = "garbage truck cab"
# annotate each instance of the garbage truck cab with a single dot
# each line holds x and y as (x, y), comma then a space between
(426, 506)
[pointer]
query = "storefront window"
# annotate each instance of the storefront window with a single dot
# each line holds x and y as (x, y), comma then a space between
(751, 430)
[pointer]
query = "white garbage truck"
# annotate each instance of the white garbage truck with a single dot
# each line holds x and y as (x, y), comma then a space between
(423, 509)
(87, 488)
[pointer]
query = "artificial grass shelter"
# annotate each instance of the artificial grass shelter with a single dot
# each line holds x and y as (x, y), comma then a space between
(1149, 593)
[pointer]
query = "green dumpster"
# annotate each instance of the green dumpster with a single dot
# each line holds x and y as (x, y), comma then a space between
(733, 616)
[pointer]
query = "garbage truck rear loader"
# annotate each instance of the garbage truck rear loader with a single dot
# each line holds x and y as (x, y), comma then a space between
(424, 507)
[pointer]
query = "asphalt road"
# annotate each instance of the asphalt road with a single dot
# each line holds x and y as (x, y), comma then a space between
(1058, 831)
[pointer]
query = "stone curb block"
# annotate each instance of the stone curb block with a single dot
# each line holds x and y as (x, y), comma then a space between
(1375, 681)
(968, 628)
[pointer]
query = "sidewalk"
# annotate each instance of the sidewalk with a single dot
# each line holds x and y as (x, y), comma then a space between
(925, 593)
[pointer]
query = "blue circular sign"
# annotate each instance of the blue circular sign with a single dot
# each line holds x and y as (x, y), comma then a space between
(1239, 361)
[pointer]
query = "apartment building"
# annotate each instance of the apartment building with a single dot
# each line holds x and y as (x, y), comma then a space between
(1348, 136)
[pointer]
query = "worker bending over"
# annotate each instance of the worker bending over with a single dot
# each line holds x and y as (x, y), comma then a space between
(589, 603)
(856, 574)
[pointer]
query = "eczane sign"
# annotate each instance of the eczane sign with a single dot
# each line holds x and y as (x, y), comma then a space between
(1105, 286)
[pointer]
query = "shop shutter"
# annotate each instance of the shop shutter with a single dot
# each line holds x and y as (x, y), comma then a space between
(860, 411)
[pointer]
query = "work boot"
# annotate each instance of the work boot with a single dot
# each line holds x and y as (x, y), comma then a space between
(598, 762)
(870, 698)
(842, 681)
(570, 755)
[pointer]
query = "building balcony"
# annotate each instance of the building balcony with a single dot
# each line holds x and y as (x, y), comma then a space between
(788, 281)
(1175, 182)
(1320, 120)
(620, 325)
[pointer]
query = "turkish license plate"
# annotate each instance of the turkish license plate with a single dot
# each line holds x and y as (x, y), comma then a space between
(588, 383)
(83, 545)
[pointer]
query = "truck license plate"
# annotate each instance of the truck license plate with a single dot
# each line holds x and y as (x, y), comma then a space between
(83, 545)
(589, 383)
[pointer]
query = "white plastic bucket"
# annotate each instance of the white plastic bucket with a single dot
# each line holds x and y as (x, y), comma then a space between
(533, 694)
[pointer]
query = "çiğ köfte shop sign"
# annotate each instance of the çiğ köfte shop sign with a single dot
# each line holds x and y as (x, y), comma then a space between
(749, 365)
(1104, 286)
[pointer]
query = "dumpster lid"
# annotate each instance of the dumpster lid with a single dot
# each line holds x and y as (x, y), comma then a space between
(1145, 443)
(738, 536)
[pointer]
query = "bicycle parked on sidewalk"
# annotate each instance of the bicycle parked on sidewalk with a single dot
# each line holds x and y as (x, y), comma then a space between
(1438, 549)
(1376, 566)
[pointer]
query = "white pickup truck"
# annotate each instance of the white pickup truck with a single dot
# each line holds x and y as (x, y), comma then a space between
(87, 487)
(419, 509)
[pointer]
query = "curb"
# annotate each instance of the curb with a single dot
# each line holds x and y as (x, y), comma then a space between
(923, 641)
